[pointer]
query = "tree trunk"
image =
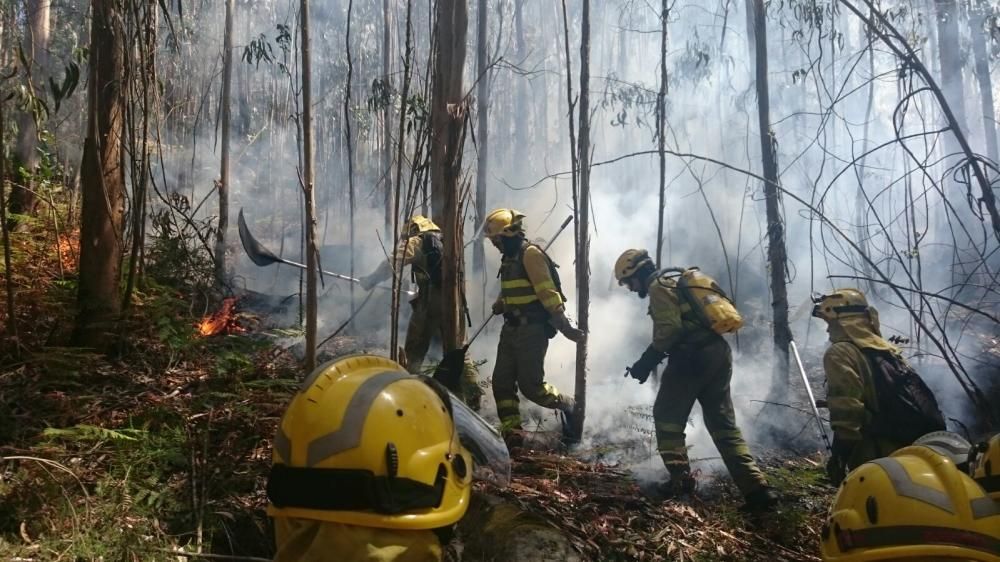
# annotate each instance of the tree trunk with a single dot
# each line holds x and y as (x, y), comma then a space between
(447, 122)
(482, 140)
(308, 190)
(582, 231)
(36, 52)
(221, 271)
(661, 130)
(387, 113)
(522, 107)
(102, 182)
(8, 271)
(350, 146)
(397, 192)
(985, 81)
(776, 254)
(950, 55)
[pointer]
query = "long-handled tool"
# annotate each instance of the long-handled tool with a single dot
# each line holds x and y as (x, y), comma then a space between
(449, 370)
(812, 399)
(264, 257)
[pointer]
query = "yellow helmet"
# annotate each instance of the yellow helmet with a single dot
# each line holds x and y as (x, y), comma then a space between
(419, 224)
(912, 505)
(504, 222)
(986, 470)
(365, 443)
(840, 303)
(629, 262)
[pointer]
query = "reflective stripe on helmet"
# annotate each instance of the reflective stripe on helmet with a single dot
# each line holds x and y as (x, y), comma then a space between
(908, 535)
(907, 488)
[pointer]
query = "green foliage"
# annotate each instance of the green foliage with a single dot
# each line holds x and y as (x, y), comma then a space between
(84, 432)
(177, 254)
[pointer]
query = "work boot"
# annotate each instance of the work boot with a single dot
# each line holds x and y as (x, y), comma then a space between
(568, 419)
(680, 485)
(761, 500)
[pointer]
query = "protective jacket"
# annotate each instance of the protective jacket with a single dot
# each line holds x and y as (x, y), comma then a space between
(305, 540)
(527, 291)
(851, 395)
(409, 252)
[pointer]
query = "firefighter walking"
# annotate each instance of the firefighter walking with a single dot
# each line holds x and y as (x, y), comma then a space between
(533, 310)
(419, 248)
(699, 369)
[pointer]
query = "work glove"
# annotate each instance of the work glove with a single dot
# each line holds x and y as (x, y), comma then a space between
(368, 282)
(648, 361)
(836, 467)
(561, 323)
(497, 307)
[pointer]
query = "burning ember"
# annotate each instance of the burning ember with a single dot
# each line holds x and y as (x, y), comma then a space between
(224, 321)
(69, 250)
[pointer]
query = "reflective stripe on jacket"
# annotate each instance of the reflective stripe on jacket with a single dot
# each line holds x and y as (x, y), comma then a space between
(526, 287)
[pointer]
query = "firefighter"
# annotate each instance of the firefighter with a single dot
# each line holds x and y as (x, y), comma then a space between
(914, 504)
(531, 303)
(419, 248)
(699, 369)
(369, 465)
(986, 467)
(851, 393)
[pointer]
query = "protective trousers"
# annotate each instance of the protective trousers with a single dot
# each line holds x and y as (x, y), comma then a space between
(425, 323)
(521, 365)
(702, 374)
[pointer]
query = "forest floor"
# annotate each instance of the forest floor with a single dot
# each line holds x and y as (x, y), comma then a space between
(163, 449)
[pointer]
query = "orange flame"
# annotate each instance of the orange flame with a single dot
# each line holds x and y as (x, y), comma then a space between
(69, 250)
(222, 321)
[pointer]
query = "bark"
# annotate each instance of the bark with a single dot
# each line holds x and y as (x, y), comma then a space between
(8, 272)
(985, 80)
(661, 129)
(221, 271)
(447, 131)
(482, 140)
(36, 52)
(950, 55)
(522, 107)
(582, 231)
(308, 189)
(776, 253)
(102, 182)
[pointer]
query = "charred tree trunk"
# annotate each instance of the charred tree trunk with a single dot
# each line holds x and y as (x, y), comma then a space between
(583, 230)
(221, 271)
(979, 32)
(447, 127)
(482, 140)
(8, 271)
(36, 53)
(308, 188)
(661, 130)
(776, 254)
(102, 182)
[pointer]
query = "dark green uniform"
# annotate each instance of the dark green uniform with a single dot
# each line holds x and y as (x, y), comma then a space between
(529, 297)
(699, 369)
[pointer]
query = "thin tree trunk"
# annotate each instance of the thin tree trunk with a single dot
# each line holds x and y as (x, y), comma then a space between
(350, 145)
(102, 182)
(7, 261)
(950, 55)
(661, 130)
(221, 271)
(583, 233)
(36, 52)
(985, 81)
(400, 145)
(522, 107)
(387, 112)
(447, 122)
(308, 190)
(776, 253)
(482, 140)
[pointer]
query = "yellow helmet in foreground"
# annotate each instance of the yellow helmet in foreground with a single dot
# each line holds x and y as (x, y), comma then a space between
(986, 470)
(840, 303)
(419, 224)
(912, 505)
(504, 222)
(629, 262)
(365, 443)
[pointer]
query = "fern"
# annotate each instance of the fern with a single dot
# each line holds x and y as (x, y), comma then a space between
(83, 432)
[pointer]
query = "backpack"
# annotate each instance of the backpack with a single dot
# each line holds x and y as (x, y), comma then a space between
(907, 407)
(553, 273)
(708, 301)
(433, 250)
